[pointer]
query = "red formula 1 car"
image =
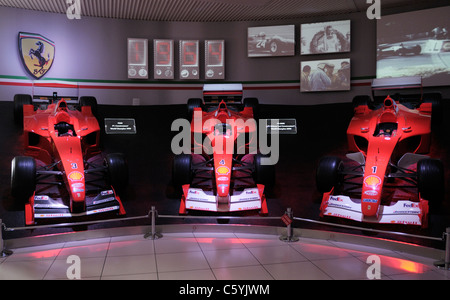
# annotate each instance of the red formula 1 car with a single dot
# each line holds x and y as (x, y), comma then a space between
(224, 172)
(63, 174)
(388, 179)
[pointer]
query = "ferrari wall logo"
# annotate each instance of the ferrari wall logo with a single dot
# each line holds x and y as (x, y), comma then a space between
(37, 53)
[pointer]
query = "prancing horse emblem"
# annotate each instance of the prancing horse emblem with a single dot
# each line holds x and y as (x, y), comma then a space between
(37, 53)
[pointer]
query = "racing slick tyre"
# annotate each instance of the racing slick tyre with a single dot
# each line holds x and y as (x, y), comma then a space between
(430, 179)
(253, 103)
(328, 173)
(19, 101)
(264, 174)
(361, 100)
(23, 177)
(89, 101)
(182, 169)
(117, 171)
(192, 104)
(436, 112)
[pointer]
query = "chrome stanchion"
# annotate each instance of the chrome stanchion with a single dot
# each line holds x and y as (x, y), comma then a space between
(153, 234)
(445, 265)
(3, 251)
(287, 219)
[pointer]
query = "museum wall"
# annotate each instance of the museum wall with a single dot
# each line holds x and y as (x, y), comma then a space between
(92, 53)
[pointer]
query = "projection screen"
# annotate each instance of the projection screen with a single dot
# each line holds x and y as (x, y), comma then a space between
(415, 44)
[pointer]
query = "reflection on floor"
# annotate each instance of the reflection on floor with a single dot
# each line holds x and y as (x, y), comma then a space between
(213, 256)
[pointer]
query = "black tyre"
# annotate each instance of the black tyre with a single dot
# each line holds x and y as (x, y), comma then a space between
(19, 101)
(23, 177)
(182, 169)
(435, 100)
(253, 103)
(117, 171)
(89, 101)
(328, 173)
(192, 104)
(430, 179)
(361, 100)
(264, 173)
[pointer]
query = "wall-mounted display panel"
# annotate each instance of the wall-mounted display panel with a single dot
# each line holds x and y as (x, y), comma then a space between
(163, 59)
(415, 44)
(325, 75)
(325, 37)
(215, 59)
(189, 59)
(137, 58)
(271, 41)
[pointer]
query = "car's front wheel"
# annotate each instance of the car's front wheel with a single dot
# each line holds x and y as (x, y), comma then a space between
(23, 177)
(328, 173)
(117, 171)
(430, 179)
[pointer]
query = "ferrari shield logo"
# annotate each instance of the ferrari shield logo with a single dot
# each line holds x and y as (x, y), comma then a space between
(37, 53)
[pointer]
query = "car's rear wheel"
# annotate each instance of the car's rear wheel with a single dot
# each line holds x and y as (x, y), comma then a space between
(254, 104)
(89, 101)
(23, 177)
(264, 173)
(328, 173)
(191, 105)
(19, 101)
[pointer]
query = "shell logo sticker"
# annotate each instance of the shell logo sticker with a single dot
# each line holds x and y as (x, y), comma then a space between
(372, 181)
(76, 176)
(222, 170)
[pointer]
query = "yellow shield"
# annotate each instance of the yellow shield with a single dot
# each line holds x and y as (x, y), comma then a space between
(37, 53)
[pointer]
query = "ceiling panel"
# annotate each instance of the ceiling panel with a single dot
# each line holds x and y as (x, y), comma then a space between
(206, 10)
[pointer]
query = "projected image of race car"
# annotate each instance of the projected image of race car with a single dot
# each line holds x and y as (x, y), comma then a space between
(223, 172)
(63, 174)
(388, 178)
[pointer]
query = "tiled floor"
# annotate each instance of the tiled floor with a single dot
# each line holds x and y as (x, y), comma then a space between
(213, 256)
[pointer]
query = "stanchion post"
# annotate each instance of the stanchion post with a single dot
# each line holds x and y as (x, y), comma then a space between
(153, 235)
(3, 251)
(447, 248)
(446, 263)
(289, 232)
(2, 245)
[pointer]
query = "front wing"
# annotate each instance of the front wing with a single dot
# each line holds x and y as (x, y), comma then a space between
(248, 199)
(45, 207)
(401, 212)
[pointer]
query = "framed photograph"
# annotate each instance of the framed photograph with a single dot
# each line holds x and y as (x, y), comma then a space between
(215, 59)
(271, 41)
(325, 75)
(326, 37)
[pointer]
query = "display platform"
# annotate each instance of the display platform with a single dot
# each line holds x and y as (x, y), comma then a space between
(321, 130)
(218, 252)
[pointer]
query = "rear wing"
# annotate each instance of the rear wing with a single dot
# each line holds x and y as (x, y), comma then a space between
(55, 98)
(392, 84)
(228, 92)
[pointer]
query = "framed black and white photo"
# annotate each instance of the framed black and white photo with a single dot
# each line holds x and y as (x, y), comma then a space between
(271, 41)
(325, 75)
(325, 37)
